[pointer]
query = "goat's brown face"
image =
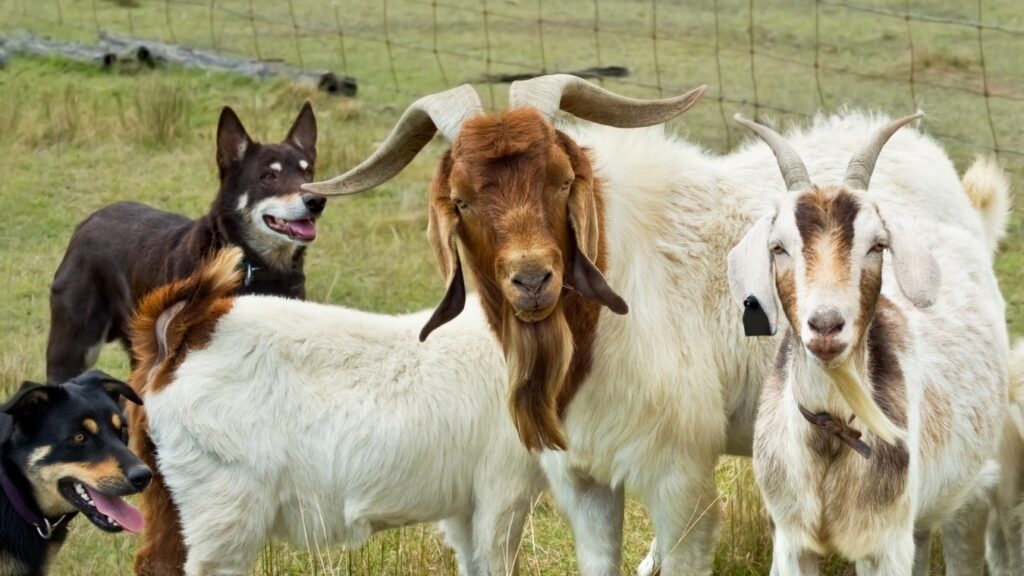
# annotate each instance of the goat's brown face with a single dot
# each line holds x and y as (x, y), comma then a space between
(518, 197)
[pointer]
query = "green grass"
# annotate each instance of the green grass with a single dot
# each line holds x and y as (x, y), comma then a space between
(73, 138)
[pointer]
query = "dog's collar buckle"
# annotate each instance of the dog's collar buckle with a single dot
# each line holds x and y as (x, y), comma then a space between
(50, 527)
(249, 270)
(42, 524)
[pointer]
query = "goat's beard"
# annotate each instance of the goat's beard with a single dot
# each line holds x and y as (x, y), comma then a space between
(847, 381)
(538, 355)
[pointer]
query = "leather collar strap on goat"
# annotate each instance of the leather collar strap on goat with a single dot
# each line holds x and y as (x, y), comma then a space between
(44, 526)
(838, 428)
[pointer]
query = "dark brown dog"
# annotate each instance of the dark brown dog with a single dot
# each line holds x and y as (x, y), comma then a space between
(124, 250)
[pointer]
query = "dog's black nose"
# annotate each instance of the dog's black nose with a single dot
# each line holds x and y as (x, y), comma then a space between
(314, 202)
(140, 476)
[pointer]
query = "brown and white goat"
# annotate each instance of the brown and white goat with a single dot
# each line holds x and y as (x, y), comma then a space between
(652, 398)
(879, 421)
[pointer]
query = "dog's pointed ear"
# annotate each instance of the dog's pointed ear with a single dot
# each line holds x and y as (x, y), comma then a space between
(585, 221)
(303, 132)
(232, 141)
(31, 398)
(441, 231)
(752, 280)
(112, 386)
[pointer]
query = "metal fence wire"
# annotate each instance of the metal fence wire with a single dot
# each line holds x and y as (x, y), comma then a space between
(961, 61)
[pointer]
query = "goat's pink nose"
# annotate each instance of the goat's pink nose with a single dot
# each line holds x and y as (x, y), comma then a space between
(826, 321)
(533, 280)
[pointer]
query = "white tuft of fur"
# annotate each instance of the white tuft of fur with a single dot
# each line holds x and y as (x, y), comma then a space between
(989, 189)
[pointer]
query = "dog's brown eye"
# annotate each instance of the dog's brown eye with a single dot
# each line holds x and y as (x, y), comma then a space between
(269, 175)
(78, 438)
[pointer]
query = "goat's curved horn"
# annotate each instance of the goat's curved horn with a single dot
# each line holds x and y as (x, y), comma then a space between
(858, 172)
(588, 101)
(444, 112)
(793, 170)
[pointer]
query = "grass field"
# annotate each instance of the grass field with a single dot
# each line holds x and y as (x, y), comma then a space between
(73, 138)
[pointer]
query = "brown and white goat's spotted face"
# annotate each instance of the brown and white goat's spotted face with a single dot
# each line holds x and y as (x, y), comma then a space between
(826, 247)
(819, 258)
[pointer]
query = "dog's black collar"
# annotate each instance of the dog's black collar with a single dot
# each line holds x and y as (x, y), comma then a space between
(254, 272)
(43, 525)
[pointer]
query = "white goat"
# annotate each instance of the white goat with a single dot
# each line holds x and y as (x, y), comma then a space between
(321, 425)
(1005, 552)
(674, 383)
(915, 346)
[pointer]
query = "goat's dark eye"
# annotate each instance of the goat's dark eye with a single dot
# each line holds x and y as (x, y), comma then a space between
(460, 204)
(778, 250)
(878, 247)
(269, 175)
(567, 184)
(78, 438)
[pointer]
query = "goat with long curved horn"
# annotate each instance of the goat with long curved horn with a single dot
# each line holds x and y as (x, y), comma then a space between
(444, 112)
(858, 172)
(588, 101)
(793, 170)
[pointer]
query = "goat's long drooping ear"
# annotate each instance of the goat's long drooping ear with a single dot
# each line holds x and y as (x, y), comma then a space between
(917, 270)
(303, 131)
(112, 386)
(752, 280)
(441, 231)
(585, 219)
(232, 141)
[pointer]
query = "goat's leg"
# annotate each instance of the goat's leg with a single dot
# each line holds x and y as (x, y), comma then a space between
(224, 532)
(791, 559)
(594, 512)
(896, 559)
(498, 531)
(922, 551)
(684, 510)
(458, 533)
(963, 539)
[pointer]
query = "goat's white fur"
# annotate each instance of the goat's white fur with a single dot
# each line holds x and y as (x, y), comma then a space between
(321, 425)
(1005, 550)
(675, 383)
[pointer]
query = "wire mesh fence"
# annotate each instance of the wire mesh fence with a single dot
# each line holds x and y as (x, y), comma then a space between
(960, 61)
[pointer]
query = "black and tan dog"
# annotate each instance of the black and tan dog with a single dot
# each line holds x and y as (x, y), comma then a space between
(63, 452)
(127, 249)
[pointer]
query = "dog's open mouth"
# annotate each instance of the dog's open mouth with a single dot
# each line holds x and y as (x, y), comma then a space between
(303, 229)
(109, 513)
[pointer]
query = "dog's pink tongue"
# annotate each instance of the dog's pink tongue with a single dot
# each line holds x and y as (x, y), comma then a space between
(122, 512)
(302, 229)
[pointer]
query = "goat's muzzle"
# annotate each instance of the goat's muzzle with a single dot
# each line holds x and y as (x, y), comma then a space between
(826, 327)
(531, 284)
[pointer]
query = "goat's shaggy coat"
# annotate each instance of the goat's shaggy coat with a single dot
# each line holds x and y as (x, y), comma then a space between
(274, 418)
